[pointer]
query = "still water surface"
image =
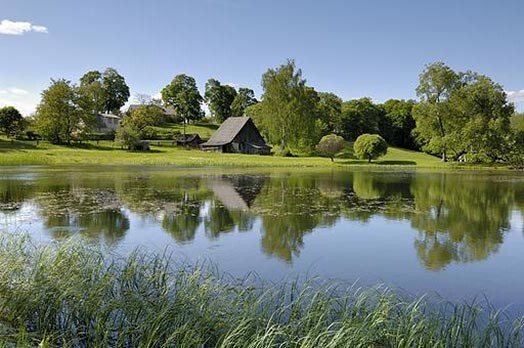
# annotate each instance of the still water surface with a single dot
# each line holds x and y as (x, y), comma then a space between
(459, 234)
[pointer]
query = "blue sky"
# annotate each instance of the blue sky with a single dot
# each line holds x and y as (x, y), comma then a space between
(372, 48)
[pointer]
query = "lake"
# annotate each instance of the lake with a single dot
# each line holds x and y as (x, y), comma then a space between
(459, 233)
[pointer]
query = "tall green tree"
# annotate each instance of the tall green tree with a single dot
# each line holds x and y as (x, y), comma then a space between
(358, 117)
(244, 99)
(11, 121)
(287, 113)
(329, 110)
(219, 98)
(92, 93)
(398, 124)
(482, 104)
(462, 115)
(58, 114)
(182, 94)
(116, 90)
(437, 127)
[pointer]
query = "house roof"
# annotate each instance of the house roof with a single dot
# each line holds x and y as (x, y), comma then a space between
(169, 110)
(227, 131)
(188, 138)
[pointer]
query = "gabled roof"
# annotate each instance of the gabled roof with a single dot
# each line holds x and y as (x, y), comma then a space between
(166, 110)
(187, 138)
(227, 131)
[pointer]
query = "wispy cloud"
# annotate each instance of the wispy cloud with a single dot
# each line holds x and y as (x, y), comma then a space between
(14, 90)
(21, 99)
(8, 27)
(516, 96)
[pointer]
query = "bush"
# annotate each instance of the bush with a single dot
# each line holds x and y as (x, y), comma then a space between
(329, 145)
(370, 146)
(127, 136)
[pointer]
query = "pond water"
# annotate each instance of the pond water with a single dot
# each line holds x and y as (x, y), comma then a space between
(459, 234)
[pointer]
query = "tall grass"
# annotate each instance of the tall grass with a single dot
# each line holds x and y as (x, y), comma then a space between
(72, 295)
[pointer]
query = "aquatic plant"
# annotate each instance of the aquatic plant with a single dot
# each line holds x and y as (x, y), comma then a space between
(74, 295)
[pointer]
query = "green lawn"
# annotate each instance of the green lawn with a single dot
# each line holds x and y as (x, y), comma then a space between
(163, 154)
(205, 130)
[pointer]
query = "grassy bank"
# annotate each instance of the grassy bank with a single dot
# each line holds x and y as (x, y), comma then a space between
(71, 295)
(164, 154)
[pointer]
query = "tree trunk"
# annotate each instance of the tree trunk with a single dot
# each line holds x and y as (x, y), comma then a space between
(369, 160)
(444, 157)
(331, 159)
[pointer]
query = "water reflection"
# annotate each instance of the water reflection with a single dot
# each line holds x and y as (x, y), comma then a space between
(459, 218)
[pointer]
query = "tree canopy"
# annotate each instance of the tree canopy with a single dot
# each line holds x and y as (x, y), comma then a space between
(11, 121)
(359, 116)
(105, 91)
(59, 115)
(219, 98)
(370, 146)
(287, 113)
(330, 145)
(182, 94)
(462, 114)
(243, 99)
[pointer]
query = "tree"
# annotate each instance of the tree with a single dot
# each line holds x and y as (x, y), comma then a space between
(105, 91)
(437, 126)
(58, 114)
(11, 121)
(330, 145)
(182, 94)
(244, 99)
(462, 115)
(219, 98)
(482, 106)
(116, 90)
(92, 93)
(133, 128)
(398, 124)
(370, 146)
(287, 113)
(329, 110)
(359, 116)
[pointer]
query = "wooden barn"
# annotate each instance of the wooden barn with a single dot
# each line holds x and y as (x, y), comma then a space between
(189, 140)
(237, 135)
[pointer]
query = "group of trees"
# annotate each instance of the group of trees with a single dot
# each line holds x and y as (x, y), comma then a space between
(460, 115)
(463, 115)
(293, 116)
(225, 101)
(67, 109)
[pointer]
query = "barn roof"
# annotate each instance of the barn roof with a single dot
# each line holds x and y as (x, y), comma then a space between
(227, 131)
(187, 138)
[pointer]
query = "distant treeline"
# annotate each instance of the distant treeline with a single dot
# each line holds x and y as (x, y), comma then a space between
(460, 116)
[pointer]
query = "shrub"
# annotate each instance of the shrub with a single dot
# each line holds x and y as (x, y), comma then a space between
(370, 146)
(329, 145)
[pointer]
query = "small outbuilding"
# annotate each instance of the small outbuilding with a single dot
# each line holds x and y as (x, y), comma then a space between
(237, 135)
(189, 140)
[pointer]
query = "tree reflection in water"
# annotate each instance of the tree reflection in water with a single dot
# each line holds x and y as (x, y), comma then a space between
(460, 217)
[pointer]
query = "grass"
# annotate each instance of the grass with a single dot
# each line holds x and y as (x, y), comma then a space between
(18, 153)
(205, 130)
(71, 295)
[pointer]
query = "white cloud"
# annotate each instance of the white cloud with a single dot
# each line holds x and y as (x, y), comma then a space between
(26, 107)
(21, 99)
(516, 96)
(8, 27)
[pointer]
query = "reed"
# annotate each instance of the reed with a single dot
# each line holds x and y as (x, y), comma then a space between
(73, 295)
